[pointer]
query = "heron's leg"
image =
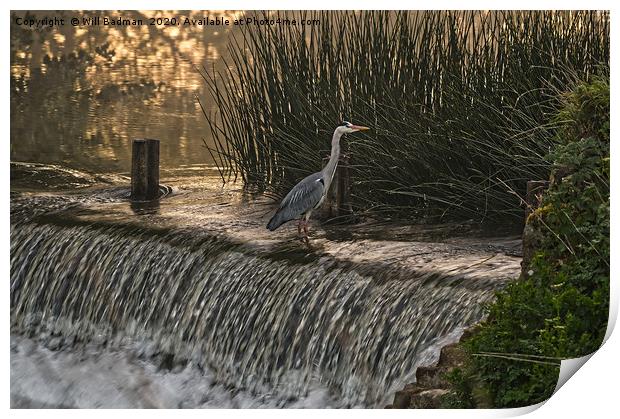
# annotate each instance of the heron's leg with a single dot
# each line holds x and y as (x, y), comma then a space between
(306, 224)
(302, 223)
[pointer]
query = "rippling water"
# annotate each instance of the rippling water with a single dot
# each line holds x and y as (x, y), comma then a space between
(272, 327)
(80, 95)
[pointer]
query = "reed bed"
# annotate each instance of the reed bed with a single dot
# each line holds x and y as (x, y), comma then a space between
(461, 104)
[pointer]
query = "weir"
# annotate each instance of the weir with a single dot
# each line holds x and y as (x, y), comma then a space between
(266, 315)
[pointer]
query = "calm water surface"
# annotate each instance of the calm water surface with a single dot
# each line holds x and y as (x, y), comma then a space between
(79, 95)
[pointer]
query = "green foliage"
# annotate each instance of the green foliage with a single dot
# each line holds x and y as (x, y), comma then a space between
(573, 261)
(513, 328)
(459, 102)
(560, 309)
(461, 395)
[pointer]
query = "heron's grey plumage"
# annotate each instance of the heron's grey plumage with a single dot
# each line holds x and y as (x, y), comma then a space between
(304, 197)
(310, 192)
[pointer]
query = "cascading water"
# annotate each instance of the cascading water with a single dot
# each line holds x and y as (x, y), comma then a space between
(265, 320)
(262, 323)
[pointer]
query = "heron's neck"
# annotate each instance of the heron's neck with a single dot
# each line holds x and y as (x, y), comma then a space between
(330, 168)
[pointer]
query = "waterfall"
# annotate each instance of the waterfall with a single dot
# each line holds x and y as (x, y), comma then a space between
(260, 320)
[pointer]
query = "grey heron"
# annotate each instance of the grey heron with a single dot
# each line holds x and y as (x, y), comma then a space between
(309, 193)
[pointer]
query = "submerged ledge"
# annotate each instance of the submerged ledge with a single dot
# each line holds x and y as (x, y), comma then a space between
(201, 208)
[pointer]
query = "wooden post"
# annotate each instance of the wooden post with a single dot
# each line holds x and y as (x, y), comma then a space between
(337, 203)
(533, 195)
(531, 238)
(145, 170)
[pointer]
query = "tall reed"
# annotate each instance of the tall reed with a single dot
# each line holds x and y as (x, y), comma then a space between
(459, 103)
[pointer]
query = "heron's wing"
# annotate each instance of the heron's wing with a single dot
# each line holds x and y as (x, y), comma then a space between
(303, 197)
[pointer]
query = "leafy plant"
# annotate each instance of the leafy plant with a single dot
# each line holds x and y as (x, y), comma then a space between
(560, 308)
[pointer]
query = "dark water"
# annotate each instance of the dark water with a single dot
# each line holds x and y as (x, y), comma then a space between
(79, 95)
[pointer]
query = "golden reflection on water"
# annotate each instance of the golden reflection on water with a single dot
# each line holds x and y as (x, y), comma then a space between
(79, 95)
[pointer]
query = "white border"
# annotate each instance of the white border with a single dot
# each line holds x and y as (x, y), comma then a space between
(591, 393)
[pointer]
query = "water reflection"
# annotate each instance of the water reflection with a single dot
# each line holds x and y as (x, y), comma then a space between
(79, 95)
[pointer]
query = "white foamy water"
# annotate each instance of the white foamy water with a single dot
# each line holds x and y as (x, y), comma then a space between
(92, 377)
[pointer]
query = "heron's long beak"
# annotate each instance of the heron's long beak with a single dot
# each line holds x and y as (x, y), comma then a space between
(359, 128)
